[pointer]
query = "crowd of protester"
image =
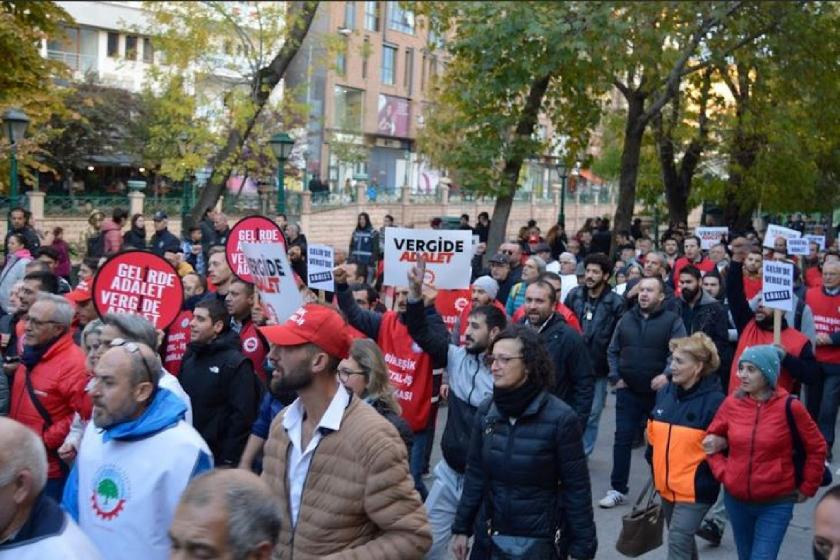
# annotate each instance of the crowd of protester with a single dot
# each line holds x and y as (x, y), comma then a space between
(122, 441)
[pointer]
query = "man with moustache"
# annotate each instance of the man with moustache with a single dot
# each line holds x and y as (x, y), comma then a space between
(331, 460)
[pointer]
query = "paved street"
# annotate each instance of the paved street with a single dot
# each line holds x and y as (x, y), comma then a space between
(608, 522)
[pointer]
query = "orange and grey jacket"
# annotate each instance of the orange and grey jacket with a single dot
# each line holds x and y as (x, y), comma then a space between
(675, 436)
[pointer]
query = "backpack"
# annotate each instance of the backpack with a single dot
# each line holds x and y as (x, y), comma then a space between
(799, 454)
(797, 316)
(96, 245)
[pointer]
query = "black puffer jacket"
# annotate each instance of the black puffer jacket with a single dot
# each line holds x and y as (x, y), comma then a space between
(707, 316)
(532, 473)
(574, 382)
(598, 319)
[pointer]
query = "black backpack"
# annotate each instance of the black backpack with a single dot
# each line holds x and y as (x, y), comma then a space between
(96, 245)
(799, 454)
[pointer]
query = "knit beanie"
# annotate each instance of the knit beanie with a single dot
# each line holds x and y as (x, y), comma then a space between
(767, 358)
(487, 284)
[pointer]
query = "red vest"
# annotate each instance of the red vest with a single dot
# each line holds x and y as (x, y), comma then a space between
(450, 304)
(177, 338)
(826, 310)
(254, 348)
(813, 277)
(410, 370)
(752, 286)
(792, 341)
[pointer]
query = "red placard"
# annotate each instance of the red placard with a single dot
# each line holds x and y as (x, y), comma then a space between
(251, 229)
(140, 283)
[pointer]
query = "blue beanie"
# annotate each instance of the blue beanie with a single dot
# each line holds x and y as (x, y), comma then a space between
(767, 358)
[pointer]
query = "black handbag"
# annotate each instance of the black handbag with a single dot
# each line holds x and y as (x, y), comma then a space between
(641, 529)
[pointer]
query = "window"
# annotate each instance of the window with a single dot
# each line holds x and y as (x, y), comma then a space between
(400, 19)
(408, 79)
(389, 65)
(113, 44)
(372, 16)
(349, 15)
(131, 47)
(348, 108)
(365, 56)
(148, 51)
(341, 59)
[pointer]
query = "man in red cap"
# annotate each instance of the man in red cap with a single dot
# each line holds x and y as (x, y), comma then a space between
(82, 299)
(331, 459)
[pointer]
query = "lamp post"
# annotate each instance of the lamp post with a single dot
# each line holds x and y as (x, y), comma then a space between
(562, 173)
(281, 144)
(15, 123)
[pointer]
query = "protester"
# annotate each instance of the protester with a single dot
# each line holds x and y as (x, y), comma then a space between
(531, 270)
(535, 487)
(365, 296)
(376, 514)
(85, 310)
(135, 237)
(112, 238)
(221, 383)
(759, 473)
(225, 514)
(482, 292)
(19, 224)
(17, 257)
(162, 237)
(221, 230)
(218, 274)
(136, 458)
(701, 312)
(95, 242)
(482, 227)
(713, 284)
(296, 247)
(693, 256)
(49, 383)
(88, 269)
(752, 268)
(572, 369)
(194, 250)
(62, 251)
(49, 257)
(500, 272)
(827, 526)
(512, 252)
(239, 302)
(598, 310)
(32, 525)
(638, 357)
(684, 408)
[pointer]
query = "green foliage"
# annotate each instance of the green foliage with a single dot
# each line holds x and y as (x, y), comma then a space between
(107, 488)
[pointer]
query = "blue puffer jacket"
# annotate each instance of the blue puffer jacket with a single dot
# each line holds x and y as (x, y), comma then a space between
(533, 473)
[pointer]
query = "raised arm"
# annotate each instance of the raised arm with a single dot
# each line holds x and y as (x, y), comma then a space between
(367, 322)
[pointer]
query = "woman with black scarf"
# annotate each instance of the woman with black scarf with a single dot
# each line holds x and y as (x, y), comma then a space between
(526, 463)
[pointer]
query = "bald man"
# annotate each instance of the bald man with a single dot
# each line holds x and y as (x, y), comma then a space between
(827, 526)
(210, 515)
(32, 525)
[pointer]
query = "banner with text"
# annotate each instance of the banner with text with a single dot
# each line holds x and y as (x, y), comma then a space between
(251, 229)
(320, 261)
(777, 285)
(139, 283)
(448, 255)
(273, 278)
(798, 246)
(774, 231)
(710, 236)
(818, 239)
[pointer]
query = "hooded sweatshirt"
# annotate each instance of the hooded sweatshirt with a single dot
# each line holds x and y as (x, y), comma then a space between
(125, 485)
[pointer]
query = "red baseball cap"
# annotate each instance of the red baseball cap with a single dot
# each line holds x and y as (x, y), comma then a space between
(80, 294)
(312, 323)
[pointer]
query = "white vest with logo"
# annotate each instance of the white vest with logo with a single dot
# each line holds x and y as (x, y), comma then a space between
(128, 490)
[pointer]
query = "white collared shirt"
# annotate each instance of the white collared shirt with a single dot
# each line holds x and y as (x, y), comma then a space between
(300, 459)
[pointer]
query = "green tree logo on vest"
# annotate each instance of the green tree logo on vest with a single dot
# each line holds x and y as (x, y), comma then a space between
(109, 492)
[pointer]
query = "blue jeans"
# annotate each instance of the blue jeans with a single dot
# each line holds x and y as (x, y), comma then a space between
(829, 403)
(758, 528)
(631, 409)
(590, 433)
(417, 460)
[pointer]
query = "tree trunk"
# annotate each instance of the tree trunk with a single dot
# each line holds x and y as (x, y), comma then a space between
(300, 14)
(631, 152)
(498, 224)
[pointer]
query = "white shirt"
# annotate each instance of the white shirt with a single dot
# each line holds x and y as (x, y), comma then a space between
(170, 382)
(300, 459)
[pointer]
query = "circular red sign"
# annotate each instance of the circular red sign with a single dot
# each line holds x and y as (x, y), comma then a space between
(140, 283)
(250, 229)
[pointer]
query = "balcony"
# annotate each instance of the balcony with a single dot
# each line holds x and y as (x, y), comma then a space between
(82, 63)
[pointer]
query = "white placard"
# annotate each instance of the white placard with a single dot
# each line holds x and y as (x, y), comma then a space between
(818, 239)
(448, 255)
(774, 231)
(798, 246)
(710, 236)
(777, 285)
(320, 261)
(475, 240)
(273, 279)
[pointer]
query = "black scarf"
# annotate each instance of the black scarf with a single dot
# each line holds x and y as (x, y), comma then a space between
(33, 354)
(513, 402)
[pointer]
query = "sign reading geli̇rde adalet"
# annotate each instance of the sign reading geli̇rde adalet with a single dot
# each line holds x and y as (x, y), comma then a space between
(448, 255)
(777, 285)
(273, 278)
(139, 283)
(251, 229)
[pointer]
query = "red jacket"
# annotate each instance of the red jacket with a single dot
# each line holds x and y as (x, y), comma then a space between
(705, 265)
(59, 381)
(826, 310)
(112, 236)
(759, 465)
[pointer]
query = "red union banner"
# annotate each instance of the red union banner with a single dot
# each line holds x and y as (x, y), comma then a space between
(139, 283)
(251, 229)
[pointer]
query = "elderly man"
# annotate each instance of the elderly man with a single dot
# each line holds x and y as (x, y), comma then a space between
(137, 456)
(226, 514)
(566, 267)
(49, 384)
(32, 525)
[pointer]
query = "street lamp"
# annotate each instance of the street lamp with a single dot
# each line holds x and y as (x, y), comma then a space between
(562, 172)
(15, 123)
(281, 144)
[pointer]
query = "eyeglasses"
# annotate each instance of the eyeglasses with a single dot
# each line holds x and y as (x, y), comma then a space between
(345, 373)
(507, 252)
(38, 323)
(489, 359)
(134, 349)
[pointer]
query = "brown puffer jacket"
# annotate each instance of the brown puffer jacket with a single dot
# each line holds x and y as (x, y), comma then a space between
(358, 501)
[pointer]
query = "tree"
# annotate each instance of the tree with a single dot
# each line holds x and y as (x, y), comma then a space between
(234, 58)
